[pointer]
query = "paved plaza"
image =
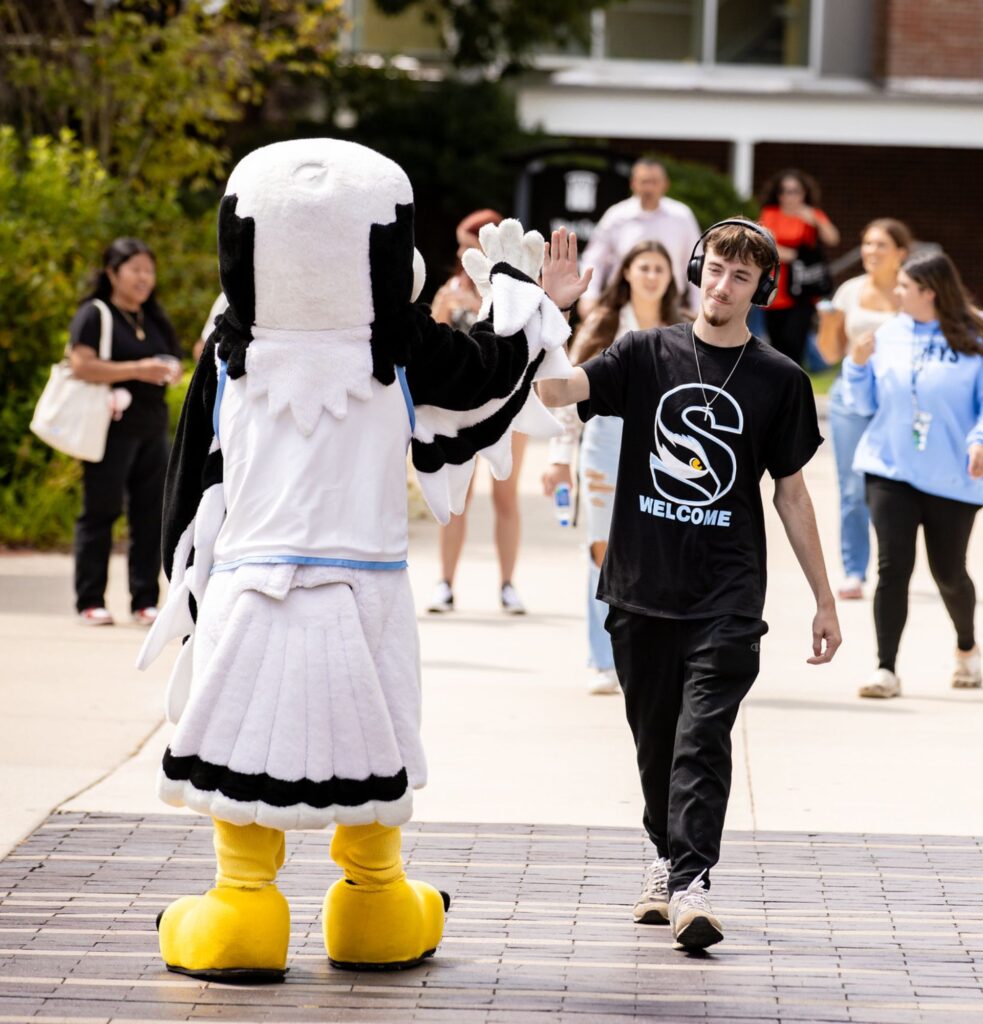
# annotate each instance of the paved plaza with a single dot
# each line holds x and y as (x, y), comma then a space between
(849, 885)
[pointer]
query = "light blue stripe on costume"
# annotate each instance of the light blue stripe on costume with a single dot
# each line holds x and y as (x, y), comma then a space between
(407, 397)
(223, 372)
(343, 563)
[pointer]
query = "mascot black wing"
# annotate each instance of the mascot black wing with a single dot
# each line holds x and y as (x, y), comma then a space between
(296, 694)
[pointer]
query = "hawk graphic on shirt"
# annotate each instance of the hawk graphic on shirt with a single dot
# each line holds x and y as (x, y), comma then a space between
(692, 463)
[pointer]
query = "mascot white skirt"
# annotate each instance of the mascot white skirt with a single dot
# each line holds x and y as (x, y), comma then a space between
(296, 693)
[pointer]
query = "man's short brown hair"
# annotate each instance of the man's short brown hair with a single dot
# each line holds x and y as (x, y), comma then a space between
(745, 244)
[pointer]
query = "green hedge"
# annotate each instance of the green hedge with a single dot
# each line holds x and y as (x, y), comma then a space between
(60, 210)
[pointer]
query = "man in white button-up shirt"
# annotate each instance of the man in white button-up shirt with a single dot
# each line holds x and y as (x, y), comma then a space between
(648, 214)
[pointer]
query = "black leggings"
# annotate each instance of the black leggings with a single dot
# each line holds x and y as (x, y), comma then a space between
(897, 510)
(788, 329)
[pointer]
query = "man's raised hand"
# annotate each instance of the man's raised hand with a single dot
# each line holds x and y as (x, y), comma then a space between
(561, 282)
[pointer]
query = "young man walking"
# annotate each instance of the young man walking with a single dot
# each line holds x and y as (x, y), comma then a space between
(708, 408)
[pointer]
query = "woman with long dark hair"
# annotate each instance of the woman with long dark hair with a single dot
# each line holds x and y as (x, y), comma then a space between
(790, 211)
(920, 377)
(144, 359)
(641, 295)
(457, 303)
(861, 304)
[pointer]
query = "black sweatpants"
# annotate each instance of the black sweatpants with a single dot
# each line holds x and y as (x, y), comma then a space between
(131, 475)
(897, 510)
(788, 329)
(684, 680)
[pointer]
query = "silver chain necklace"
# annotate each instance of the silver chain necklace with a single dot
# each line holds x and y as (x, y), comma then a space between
(723, 387)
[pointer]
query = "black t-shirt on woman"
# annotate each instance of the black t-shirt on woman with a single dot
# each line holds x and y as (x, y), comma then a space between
(688, 531)
(148, 412)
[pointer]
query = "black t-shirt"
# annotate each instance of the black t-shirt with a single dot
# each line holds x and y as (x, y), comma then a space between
(688, 532)
(148, 412)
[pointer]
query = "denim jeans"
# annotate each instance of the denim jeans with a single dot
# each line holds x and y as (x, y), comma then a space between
(599, 452)
(847, 427)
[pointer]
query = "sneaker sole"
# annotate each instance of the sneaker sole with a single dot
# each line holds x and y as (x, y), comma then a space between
(699, 933)
(878, 694)
(657, 913)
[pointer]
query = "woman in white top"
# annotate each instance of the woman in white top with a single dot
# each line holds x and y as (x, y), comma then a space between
(642, 295)
(858, 308)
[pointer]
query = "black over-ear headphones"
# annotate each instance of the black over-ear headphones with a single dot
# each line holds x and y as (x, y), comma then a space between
(764, 294)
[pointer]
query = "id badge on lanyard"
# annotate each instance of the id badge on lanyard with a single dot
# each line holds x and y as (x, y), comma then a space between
(921, 421)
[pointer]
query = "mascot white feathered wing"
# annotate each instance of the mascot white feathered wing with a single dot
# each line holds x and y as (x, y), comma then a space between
(296, 695)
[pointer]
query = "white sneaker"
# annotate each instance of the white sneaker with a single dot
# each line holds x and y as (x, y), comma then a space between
(851, 589)
(511, 604)
(95, 617)
(694, 925)
(968, 674)
(145, 616)
(652, 906)
(442, 599)
(883, 684)
(604, 680)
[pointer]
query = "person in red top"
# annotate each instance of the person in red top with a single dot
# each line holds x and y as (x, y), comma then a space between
(790, 212)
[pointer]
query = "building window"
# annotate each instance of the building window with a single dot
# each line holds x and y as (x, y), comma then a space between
(763, 32)
(655, 30)
(753, 32)
(408, 33)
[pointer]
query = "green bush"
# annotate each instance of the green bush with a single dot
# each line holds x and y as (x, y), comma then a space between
(60, 209)
(708, 193)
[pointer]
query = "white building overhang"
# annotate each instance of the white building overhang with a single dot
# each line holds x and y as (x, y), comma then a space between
(637, 101)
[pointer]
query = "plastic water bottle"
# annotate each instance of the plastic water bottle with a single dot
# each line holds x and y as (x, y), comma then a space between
(561, 504)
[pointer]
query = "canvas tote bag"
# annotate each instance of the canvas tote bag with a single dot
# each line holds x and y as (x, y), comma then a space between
(73, 415)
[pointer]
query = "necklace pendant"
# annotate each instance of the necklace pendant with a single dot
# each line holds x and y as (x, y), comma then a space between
(141, 334)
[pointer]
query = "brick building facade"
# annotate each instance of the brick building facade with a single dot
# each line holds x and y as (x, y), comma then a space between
(886, 112)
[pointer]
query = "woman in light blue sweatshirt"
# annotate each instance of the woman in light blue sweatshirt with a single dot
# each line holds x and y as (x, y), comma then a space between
(921, 378)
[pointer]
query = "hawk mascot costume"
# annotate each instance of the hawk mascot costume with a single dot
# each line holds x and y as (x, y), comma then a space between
(296, 694)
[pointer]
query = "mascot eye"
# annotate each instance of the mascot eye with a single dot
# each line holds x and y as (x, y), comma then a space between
(696, 464)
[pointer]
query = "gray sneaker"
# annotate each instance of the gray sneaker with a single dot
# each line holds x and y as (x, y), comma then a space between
(652, 907)
(694, 925)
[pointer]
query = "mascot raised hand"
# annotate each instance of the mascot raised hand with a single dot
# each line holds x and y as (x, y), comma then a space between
(296, 694)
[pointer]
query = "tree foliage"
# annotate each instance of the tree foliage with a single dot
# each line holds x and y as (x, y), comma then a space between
(152, 85)
(60, 209)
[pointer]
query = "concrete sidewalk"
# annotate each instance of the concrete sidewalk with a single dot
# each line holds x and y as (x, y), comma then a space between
(834, 807)
(505, 700)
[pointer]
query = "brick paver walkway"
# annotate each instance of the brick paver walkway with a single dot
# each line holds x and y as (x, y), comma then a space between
(884, 929)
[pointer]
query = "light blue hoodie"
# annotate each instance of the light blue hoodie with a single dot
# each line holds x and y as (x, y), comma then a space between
(949, 386)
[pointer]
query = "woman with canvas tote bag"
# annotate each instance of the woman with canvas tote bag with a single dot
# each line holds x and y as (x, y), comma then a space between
(144, 358)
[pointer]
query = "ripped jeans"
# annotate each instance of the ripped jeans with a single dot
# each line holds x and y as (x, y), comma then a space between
(600, 448)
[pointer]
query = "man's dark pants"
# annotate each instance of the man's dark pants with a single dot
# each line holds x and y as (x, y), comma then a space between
(684, 680)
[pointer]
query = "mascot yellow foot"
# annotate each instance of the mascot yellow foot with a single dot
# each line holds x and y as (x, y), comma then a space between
(239, 931)
(374, 918)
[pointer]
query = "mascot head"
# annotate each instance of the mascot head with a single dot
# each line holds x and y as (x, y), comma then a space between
(317, 235)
